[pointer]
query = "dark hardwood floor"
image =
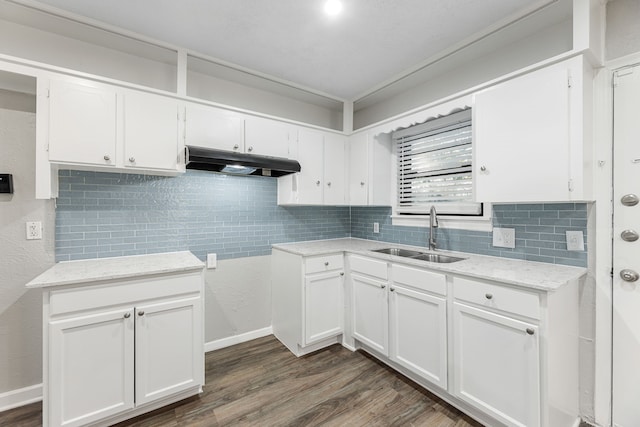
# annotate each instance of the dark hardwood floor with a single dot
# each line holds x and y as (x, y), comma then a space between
(260, 383)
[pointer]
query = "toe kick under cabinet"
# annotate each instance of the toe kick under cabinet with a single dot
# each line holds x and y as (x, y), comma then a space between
(117, 348)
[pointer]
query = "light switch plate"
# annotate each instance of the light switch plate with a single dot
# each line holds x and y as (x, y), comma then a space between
(212, 261)
(575, 241)
(504, 237)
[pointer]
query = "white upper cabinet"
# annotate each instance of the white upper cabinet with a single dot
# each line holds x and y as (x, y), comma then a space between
(267, 137)
(215, 128)
(322, 176)
(150, 131)
(97, 126)
(82, 123)
(369, 170)
(530, 143)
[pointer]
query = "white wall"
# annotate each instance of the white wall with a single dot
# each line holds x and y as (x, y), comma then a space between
(623, 28)
(21, 260)
(237, 297)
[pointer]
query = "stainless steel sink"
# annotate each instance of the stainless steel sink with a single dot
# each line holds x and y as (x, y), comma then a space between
(439, 258)
(422, 256)
(398, 252)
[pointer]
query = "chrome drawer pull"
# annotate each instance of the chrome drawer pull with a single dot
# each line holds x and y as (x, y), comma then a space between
(488, 296)
(530, 331)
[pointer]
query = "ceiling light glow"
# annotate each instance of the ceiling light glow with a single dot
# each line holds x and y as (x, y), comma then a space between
(333, 7)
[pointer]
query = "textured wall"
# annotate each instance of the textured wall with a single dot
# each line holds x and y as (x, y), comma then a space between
(20, 259)
(622, 30)
(540, 232)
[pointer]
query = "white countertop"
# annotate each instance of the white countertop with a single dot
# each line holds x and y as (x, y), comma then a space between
(527, 274)
(74, 272)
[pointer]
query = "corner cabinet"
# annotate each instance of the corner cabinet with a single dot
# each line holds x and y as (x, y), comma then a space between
(532, 141)
(114, 349)
(307, 300)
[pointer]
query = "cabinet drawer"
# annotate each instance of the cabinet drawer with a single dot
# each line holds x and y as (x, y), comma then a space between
(318, 264)
(420, 279)
(368, 266)
(499, 297)
(122, 292)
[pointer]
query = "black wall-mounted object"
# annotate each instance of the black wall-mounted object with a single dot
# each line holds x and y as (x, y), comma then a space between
(6, 183)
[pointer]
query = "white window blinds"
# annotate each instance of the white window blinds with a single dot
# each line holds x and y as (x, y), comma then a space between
(434, 166)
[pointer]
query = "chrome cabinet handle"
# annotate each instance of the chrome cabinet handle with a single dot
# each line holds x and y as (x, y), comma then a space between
(236, 146)
(361, 182)
(329, 184)
(127, 315)
(342, 273)
(629, 235)
(530, 331)
(141, 313)
(392, 289)
(326, 264)
(132, 159)
(483, 168)
(629, 200)
(488, 296)
(317, 182)
(629, 275)
(250, 149)
(107, 157)
(383, 286)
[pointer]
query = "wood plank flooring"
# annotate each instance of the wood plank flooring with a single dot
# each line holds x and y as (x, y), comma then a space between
(260, 383)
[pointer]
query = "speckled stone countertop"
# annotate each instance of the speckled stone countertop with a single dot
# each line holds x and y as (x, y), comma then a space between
(527, 274)
(74, 272)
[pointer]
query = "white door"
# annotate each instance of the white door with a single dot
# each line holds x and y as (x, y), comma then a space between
(497, 365)
(369, 312)
(516, 125)
(323, 306)
(211, 127)
(310, 178)
(418, 333)
(82, 124)
(267, 137)
(150, 131)
(334, 170)
(169, 348)
(626, 254)
(90, 367)
(358, 169)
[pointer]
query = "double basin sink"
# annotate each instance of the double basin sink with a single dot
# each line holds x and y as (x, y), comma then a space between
(422, 256)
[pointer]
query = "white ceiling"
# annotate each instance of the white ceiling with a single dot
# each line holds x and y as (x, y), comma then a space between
(371, 42)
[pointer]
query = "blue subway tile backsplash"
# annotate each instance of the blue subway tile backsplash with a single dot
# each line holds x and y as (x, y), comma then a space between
(111, 214)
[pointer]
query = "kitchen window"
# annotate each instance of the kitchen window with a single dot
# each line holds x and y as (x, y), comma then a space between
(435, 167)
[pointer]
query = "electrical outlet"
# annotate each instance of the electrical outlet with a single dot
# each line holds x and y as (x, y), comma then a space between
(376, 227)
(212, 261)
(504, 237)
(34, 230)
(575, 241)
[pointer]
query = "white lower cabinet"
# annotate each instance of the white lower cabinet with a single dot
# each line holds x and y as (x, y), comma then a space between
(497, 365)
(117, 349)
(307, 300)
(370, 313)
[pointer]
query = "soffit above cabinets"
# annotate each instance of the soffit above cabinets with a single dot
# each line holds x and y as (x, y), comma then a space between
(366, 48)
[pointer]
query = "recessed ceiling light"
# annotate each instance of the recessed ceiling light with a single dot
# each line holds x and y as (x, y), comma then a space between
(333, 7)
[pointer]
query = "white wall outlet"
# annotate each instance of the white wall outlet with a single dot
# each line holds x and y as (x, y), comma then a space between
(504, 237)
(34, 230)
(376, 227)
(212, 261)
(575, 241)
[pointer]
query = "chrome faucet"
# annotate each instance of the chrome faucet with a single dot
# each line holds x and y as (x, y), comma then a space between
(433, 223)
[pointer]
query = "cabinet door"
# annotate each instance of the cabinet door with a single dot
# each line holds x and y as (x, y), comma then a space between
(211, 127)
(323, 306)
(334, 170)
(267, 137)
(497, 365)
(369, 312)
(522, 138)
(82, 124)
(310, 178)
(418, 325)
(358, 167)
(169, 348)
(150, 131)
(90, 367)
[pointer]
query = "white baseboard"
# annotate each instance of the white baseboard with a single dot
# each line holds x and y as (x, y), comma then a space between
(237, 339)
(23, 396)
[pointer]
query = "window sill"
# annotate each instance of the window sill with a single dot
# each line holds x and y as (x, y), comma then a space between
(480, 223)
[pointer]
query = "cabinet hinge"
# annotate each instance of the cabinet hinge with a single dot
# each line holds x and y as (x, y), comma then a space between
(611, 272)
(569, 82)
(48, 93)
(570, 185)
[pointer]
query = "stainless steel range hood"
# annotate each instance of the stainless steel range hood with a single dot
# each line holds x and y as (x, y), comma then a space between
(209, 159)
